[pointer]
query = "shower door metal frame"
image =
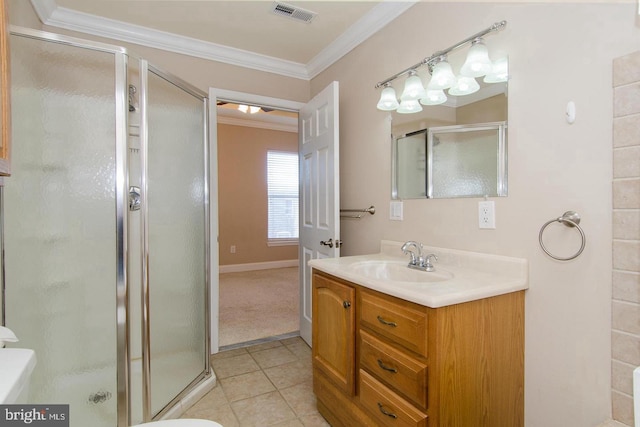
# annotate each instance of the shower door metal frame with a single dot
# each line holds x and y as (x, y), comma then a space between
(145, 68)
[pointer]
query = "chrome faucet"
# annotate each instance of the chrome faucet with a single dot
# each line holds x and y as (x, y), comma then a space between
(417, 261)
(405, 250)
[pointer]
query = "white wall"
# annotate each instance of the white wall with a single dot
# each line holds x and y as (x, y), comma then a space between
(558, 53)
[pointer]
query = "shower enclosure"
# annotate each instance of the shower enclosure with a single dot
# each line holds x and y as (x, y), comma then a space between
(106, 230)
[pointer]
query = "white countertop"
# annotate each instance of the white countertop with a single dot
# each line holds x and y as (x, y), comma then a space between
(475, 275)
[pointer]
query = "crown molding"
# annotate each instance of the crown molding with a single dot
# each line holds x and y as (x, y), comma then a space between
(381, 14)
(53, 15)
(60, 17)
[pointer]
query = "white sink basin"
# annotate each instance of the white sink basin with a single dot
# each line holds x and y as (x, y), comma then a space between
(16, 366)
(398, 271)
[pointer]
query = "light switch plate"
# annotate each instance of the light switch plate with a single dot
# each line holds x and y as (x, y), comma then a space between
(487, 214)
(395, 210)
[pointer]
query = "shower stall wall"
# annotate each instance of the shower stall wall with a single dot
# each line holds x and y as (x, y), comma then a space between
(106, 230)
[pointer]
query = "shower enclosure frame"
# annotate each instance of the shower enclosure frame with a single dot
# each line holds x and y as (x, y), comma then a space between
(123, 325)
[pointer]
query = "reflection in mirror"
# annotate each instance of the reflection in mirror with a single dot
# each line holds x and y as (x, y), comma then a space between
(466, 161)
(456, 149)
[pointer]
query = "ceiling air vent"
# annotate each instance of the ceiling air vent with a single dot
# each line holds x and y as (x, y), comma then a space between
(293, 12)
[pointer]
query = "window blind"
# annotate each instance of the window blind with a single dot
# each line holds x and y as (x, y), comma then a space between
(282, 194)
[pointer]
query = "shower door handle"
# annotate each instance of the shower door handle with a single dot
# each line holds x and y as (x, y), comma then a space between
(134, 198)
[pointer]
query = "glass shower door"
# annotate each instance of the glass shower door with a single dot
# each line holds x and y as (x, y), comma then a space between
(176, 237)
(60, 233)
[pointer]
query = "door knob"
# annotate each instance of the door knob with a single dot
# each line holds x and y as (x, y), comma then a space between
(327, 242)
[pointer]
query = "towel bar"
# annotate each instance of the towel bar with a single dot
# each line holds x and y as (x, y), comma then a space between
(360, 212)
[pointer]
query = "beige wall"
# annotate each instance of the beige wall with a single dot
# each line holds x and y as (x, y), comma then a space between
(626, 234)
(242, 174)
(492, 109)
(557, 53)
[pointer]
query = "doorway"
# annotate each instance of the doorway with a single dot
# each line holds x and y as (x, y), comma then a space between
(256, 294)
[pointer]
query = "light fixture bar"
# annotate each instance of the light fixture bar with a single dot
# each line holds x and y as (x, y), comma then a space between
(436, 56)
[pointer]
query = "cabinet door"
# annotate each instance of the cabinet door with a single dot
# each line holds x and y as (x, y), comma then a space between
(334, 331)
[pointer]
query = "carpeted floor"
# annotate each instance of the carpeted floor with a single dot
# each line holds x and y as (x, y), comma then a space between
(258, 304)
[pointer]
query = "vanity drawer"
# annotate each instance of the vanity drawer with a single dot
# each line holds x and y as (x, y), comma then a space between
(402, 372)
(398, 321)
(386, 406)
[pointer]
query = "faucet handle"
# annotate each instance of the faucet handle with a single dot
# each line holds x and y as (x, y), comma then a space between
(427, 262)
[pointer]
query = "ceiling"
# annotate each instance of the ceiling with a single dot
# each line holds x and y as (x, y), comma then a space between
(244, 33)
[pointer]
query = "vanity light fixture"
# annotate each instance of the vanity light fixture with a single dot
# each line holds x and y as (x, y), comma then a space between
(409, 106)
(413, 89)
(442, 76)
(464, 86)
(499, 71)
(477, 64)
(434, 97)
(388, 100)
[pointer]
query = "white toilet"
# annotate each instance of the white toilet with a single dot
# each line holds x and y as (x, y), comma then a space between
(180, 423)
(16, 367)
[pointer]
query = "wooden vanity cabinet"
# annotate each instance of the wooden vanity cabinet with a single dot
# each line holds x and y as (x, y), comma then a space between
(456, 366)
(333, 331)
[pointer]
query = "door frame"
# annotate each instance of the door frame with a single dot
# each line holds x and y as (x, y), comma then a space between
(216, 94)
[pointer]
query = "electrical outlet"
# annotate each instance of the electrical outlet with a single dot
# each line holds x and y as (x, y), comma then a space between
(487, 214)
(232, 249)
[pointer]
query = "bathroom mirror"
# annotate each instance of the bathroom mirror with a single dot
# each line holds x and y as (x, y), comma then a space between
(456, 149)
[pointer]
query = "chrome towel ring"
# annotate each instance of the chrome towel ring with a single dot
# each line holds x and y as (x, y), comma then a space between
(570, 219)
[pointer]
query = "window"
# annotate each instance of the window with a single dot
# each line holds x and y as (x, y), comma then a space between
(282, 194)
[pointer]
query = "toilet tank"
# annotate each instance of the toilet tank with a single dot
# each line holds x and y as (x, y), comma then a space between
(16, 367)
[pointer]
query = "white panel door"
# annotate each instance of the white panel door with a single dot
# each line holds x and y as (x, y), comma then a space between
(319, 191)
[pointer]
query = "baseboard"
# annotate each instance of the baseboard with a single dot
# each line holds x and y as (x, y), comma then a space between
(235, 268)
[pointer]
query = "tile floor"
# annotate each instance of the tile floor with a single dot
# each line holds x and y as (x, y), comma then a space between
(268, 384)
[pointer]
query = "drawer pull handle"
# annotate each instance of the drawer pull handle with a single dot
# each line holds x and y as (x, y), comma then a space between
(387, 413)
(386, 368)
(384, 322)
(346, 304)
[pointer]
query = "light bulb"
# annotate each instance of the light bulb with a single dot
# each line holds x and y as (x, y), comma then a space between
(477, 63)
(253, 109)
(243, 108)
(464, 86)
(409, 106)
(434, 97)
(499, 71)
(388, 100)
(413, 89)
(442, 77)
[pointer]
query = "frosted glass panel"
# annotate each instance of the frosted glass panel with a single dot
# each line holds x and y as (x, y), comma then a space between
(60, 236)
(176, 239)
(411, 166)
(465, 164)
